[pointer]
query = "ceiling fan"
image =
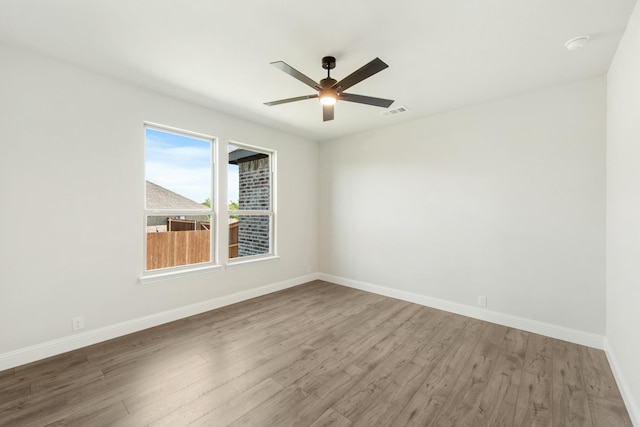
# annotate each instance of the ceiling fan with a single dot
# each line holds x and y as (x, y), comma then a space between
(330, 90)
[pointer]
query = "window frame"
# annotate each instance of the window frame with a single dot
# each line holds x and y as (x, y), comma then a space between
(271, 213)
(187, 269)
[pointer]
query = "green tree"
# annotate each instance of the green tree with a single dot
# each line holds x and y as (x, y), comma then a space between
(207, 203)
(234, 206)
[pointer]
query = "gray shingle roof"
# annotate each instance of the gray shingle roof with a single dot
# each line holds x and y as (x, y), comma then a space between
(160, 198)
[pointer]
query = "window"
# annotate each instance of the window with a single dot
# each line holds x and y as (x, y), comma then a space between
(251, 201)
(178, 199)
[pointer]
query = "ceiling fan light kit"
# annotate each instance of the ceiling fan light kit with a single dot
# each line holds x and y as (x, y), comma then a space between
(331, 90)
(328, 97)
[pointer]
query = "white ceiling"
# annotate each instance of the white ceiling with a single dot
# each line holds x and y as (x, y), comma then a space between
(441, 54)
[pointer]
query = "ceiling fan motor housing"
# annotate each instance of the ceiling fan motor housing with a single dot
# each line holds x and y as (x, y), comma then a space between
(327, 83)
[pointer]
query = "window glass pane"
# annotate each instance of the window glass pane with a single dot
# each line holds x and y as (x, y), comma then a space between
(251, 232)
(178, 175)
(174, 241)
(250, 185)
(249, 179)
(177, 170)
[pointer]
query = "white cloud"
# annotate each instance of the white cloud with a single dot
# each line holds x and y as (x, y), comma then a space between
(180, 164)
(183, 165)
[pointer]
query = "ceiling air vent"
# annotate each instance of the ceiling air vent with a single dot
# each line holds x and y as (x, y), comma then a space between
(394, 111)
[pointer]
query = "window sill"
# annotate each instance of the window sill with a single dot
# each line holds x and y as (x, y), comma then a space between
(239, 263)
(157, 277)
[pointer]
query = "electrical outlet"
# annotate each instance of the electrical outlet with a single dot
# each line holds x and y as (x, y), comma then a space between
(77, 323)
(482, 301)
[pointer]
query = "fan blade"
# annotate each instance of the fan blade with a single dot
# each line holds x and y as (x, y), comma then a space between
(359, 75)
(327, 113)
(369, 100)
(296, 74)
(284, 101)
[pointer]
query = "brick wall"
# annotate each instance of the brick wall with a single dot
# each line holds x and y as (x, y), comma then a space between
(254, 193)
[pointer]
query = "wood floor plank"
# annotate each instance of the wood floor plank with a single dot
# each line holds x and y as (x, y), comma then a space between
(445, 331)
(201, 392)
(242, 404)
(386, 407)
(223, 369)
(570, 403)
(135, 353)
(95, 416)
(461, 408)
(381, 374)
(331, 419)
(313, 406)
(235, 327)
(606, 413)
(46, 367)
(215, 390)
(441, 380)
(6, 374)
(439, 333)
(279, 404)
(351, 346)
(227, 412)
(34, 408)
(16, 389)
(534, 406)
(598, 377)
(337, 376)
(443, 372)
(419, 411)
(330, 326)
(314, 355)
(403, 331)
(515, 343)
(49, 407)
(497, 407)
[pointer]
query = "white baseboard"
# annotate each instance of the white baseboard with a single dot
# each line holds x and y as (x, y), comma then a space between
(62, 345)
(529, 325)
(51, 348)
(629, 401)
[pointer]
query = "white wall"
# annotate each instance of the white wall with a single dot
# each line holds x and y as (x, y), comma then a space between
(504, 199)
(623, 215)
(71, 197)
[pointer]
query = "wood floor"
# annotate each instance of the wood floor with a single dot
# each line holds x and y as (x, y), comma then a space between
(319, 355)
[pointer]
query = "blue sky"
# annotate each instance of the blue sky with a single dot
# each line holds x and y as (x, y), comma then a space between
(183, 165)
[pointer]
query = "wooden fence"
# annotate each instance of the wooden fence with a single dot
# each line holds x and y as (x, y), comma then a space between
(233, 239)
(175, 248)
(174, 224)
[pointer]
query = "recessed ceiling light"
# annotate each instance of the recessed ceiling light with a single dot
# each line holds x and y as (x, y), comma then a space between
(577, 42)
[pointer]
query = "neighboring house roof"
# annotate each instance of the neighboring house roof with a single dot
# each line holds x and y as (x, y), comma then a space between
(160, 198)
